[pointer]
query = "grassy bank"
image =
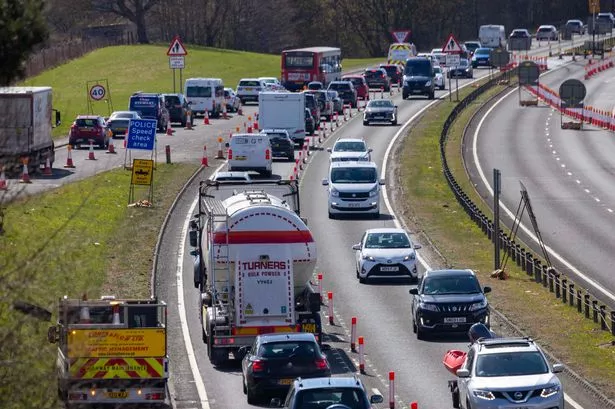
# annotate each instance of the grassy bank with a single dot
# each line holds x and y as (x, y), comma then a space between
(432, 207)
(80, 238)
(146, 67)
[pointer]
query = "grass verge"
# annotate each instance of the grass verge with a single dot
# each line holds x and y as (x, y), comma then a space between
(430, 205)
(79, 238)
(146, 67)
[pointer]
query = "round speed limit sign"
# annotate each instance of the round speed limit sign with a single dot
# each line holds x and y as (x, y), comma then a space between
(97, 92)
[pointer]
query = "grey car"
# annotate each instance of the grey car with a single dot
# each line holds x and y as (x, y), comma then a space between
(380, 110)
(119, 120)
(507, 372)
(338, 104)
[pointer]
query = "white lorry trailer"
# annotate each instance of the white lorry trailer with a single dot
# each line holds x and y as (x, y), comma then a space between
(283, 110)
(254, 258)
(25, 126)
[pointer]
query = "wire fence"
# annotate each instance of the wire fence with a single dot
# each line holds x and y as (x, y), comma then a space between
(560, 285)
(56, 55)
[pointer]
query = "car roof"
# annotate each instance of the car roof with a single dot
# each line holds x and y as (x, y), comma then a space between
(233, 173)
(350, 140)
(340, 82)
(290, 336)
(348, 164)
(123, 112)
(88, 116)
(175, 94)
(334, 381)
(386, 230)
(249, 79)
(499, 345)
(271, 130)
(450, 272)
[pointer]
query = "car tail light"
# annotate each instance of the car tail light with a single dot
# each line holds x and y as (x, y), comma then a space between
(230, 154)
(155, 396)
(321, 363)
(267, 154)
(258, 365)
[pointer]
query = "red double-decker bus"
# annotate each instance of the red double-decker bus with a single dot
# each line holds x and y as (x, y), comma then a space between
(303, 65)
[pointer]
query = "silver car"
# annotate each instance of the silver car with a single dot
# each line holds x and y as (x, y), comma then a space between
(232, 101)
(507, 372)
(338, 104)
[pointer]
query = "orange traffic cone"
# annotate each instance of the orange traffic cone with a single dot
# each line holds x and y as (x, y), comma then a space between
(169, 129)
(47, 170)
(3, 184)
(206, 118)
(25, 176)
(204, 159)
(111, 147)
(69, 158)
(91, 153)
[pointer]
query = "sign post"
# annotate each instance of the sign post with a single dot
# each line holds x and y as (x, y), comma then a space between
(452, 49)
(177, 53)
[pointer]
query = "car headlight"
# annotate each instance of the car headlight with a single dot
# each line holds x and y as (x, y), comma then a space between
(373, 192)
(486, 395)
(478, 305)
(410, 256)
(550, 391)
(334, 192)
(368, 258)
(428, 83)
(428, 307)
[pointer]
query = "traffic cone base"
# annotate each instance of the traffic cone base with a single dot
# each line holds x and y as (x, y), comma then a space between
(47, 170)
(25, 176)
(111, 147)
(69, 159)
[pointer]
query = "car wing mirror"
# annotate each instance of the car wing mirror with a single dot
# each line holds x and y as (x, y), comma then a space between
(370, 150)
(375, 399)
(329, 150)
(558, 368)
(356, 246)
(417, 246)
(226, 145)
(413, 291)
(486, 290)
(382, 182)
(463, 373)
(325, 182)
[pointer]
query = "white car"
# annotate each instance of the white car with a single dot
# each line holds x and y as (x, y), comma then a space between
(250, 151)
(248, 89)
(349, 149)
(439, 80)
(232, 101)
(385, 252)
(231, 177)
(272, 83)
(439, 56)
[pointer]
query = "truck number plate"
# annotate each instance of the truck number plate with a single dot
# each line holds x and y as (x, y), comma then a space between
(454, 320)
(117, 395)
(308, 327)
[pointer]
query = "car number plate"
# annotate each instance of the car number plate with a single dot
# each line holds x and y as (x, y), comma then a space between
(248, 89)
(241, 158)
(354, 204)
(517, 407)
(393, 268)
(287, 381)
(117, 395)
(308, 327)
(454, 320)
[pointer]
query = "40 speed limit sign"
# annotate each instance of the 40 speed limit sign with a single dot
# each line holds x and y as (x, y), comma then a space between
(97, 92)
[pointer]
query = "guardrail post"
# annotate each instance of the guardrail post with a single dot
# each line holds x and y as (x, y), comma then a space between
(545, 276)
(586, 303)
(571, 294)
(529, 264)
(521, 261)
(550, 279)
(557, 284)
(537, 271)
(595, 310)
(564, 290)
(579, 301)
(603, 325)
(613, 323)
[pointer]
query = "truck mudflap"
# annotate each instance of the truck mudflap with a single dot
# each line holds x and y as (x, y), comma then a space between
(85, 394)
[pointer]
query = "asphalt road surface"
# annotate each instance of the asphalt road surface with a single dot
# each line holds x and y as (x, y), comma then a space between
(568, 175)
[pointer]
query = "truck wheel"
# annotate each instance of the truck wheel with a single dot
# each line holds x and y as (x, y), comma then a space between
(431, 95)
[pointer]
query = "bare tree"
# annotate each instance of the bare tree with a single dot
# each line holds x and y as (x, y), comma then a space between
(132, 10)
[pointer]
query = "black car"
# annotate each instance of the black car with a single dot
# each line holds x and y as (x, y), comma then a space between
(463, 69)
(377, 78)
(346, 91)
(281, 144)
(118, 122)
(178, 108)
(273, 362)
(380, 110)
(419, 78)
(448, 300)
(310, 125)
(394, 71)
(312, 104)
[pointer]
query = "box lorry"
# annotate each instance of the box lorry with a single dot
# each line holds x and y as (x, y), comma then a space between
(254, 259)
(283, 110)
(111, 351)
(26, 122)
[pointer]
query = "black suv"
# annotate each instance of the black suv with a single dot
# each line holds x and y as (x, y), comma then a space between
(281, 144)
(178, 108)
(377, 78)
(419, 78)
(448, 300)
(346, 91)
(394, 71)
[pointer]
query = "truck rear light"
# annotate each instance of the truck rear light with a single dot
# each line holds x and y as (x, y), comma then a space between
(224, 341)
(230, 154)
(155, 396)
(267, 154)
(258, 365)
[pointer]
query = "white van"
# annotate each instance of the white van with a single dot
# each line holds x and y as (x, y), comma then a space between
(492, 36)
(354, 188)
(250, 151)
(205, 95)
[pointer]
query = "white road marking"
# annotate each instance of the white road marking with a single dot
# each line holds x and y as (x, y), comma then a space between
(183, 309)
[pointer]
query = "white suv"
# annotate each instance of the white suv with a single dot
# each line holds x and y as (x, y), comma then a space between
(248, 89)
(507, 372)
(250, 151)
(354, 188)
(349, 149)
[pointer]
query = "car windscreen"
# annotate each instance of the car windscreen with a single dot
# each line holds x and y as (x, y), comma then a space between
(463, 63)
(86, 122)
(194, 91)
(349, 147)
(287, 349)
(353, 175)
(353, 398)
(450, 284)
(387, 241)
(122, 115)
(483, 51)
(544, 29)
(418, 68)
(339, 86)
(382, 103)
(511, 364)
(355, 81)
(172, 100)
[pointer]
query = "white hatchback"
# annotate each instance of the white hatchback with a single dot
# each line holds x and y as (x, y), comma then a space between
(349, 149)
(250, 152)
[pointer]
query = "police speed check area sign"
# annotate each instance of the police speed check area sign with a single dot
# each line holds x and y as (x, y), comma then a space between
(97, 92)
(141, 134)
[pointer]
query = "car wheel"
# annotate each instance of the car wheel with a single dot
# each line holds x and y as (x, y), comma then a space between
(404, 96)
(443, 87)
(455, 398)
(431, 96)
(420, 334)
(252, 396)
(394, 123)
(357, 271)
(291, 157)
(243, 381)
(365, 123)
(362, 280)
(331, 215)
(267, 173)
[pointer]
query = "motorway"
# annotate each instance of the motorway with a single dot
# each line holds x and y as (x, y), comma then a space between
(568, 175)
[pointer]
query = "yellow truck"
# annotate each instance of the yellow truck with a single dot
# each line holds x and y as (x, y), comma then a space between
(111, 351)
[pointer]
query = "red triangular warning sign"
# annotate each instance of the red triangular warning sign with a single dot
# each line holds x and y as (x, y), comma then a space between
(400, 36)
(451, 46)
(176, 48)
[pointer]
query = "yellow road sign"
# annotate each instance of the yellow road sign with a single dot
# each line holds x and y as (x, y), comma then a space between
(594, 6)
(142, 172)
(133, 342)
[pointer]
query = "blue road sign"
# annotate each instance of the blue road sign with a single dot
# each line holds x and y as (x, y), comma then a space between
(141, 134)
